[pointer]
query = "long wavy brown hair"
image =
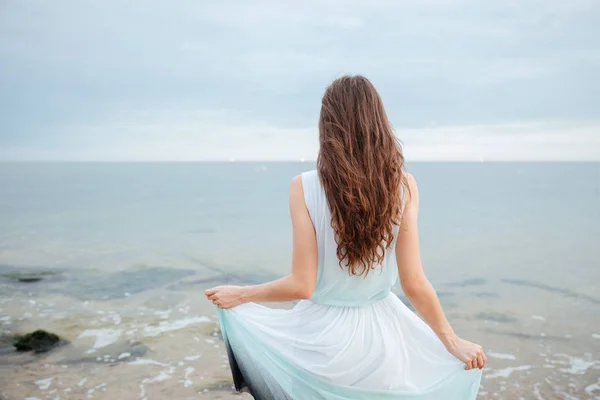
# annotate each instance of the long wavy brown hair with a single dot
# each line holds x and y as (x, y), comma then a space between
(361, 168)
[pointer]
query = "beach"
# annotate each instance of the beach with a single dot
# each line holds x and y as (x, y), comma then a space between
(159, 345)
(124, 253)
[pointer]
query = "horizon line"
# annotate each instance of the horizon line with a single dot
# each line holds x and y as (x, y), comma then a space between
(249, 161)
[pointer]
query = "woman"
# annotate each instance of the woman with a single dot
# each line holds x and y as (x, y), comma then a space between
(355, 230)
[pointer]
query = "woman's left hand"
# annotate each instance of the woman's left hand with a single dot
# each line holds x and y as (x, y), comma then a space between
(225, 296)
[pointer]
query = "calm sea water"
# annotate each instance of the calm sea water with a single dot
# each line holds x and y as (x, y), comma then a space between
(512, 248)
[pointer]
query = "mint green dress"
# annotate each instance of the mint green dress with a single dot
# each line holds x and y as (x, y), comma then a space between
(352, 340)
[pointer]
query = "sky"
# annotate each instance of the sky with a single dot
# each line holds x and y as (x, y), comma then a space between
(238, 80)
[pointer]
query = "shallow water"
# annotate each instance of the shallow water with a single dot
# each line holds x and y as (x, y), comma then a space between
(511, 249)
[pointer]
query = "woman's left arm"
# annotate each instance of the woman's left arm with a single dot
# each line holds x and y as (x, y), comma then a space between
(300, 283)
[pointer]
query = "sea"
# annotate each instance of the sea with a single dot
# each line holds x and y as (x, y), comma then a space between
(114, 258)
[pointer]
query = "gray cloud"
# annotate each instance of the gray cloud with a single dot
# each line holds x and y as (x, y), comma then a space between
(81, 79)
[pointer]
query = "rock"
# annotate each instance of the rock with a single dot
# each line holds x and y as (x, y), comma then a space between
(28, 277)
(39, 341)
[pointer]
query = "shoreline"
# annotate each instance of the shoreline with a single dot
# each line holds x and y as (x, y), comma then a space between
(163, 340)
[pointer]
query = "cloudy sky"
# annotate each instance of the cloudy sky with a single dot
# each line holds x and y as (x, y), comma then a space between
(210, 80)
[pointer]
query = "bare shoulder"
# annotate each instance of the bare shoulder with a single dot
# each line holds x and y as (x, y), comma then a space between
(297, 180)
(296, 184)
(296, 190)
(413, 190)
(298, 208)
(412, 182)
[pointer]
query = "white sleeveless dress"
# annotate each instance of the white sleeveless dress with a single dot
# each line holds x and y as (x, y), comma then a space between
(353, 339)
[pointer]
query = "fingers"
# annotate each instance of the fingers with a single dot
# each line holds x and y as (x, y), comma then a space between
(475, 362)
(480, 362)
(221, 305)
(484, 358)
(219, 297)
(469, 365)
(218, 302)
(211, 295)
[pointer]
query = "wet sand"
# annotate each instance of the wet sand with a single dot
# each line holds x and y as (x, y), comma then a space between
(163, 341)
(127, 351)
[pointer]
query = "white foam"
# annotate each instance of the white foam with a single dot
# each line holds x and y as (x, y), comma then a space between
(578, 366)
(144, 361)
(596, 335)
(163, 314)
(168, 326)
(536, 391)
(594, 387)
(142, 391)
(506, 372)
(538, 317)
(123, 355)
(32, 398)
(104, 337)
(184, 310)
(44, 384)
(82, 382)
(92, 390)
(116, 317)
(192, 358)
(162, 376)
(501, 356)
(188, 381)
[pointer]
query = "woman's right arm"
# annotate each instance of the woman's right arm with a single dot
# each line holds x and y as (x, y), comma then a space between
(419, 290)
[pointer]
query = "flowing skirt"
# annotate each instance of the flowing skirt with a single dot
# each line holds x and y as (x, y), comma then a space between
(315, 351)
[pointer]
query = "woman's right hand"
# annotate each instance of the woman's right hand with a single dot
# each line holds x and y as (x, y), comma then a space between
(470, 353)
